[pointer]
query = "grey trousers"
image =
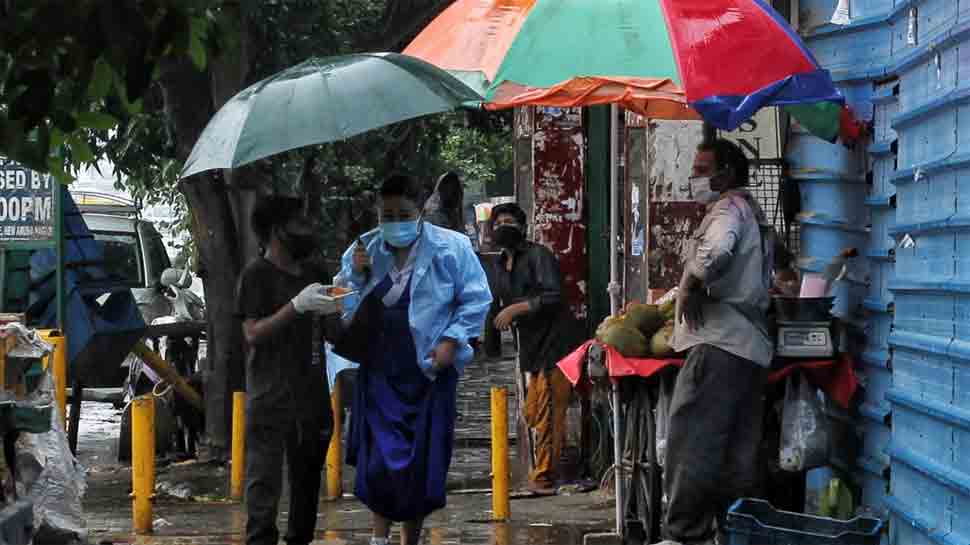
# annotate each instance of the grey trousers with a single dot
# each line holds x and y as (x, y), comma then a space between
(305, 447)
(716, 419)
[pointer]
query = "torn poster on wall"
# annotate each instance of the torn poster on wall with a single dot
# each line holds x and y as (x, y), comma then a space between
(673, 215)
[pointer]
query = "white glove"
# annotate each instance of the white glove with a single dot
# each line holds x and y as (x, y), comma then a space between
(314, 299)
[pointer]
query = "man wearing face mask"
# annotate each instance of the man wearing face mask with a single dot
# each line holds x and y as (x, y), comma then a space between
(287, 411)
(526, 286)
(717, 408)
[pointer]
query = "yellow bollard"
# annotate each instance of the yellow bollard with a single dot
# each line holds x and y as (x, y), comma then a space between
(500, 454)
(335, 452)
(56, 363)
(502, 534)
(238, 475)
(142, 462)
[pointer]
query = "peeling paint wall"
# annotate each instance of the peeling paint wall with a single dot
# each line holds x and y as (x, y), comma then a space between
(635, 211)
(524, 129)
(672, 216)
(557, 195)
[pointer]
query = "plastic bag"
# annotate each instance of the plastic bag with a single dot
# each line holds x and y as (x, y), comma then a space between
(804, 428)
(51, 477)
(662, 413)
(669, 297)
(29, 344)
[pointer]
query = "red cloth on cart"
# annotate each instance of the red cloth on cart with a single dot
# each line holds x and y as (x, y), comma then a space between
(836, 377)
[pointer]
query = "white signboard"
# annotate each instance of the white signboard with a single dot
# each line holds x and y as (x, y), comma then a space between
(26, 203)
(759, 136)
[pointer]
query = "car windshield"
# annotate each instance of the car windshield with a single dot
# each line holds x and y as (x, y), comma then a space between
(121, 257)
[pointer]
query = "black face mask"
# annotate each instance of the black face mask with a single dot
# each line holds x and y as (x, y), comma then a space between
(299, 246)
(508, 236)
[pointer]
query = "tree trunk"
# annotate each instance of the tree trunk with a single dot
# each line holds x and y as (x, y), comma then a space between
(220, 205)
(217, 242)
(189, 108)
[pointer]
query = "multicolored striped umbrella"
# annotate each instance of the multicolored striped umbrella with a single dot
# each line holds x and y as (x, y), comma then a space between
(672, 59)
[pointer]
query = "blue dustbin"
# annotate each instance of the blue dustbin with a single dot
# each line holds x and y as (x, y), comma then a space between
(757, 522)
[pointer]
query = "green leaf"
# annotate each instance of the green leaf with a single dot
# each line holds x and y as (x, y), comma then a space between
(136, 107)
(101, 80)
(96, 120)
(132, 108)
(197, 43)
(197, 52)
(57, 139)
(55, 165)
(80, 150)
(168, 171)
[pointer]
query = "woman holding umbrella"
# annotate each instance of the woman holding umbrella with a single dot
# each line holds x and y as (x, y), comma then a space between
(423, 296)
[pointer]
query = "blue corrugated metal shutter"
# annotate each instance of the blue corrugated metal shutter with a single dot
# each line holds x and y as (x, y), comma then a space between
(914, 56)
(930, 395)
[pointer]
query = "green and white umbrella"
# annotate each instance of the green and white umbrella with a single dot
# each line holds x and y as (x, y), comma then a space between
(324, 100)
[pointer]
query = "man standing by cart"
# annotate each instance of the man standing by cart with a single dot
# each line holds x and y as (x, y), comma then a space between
(527, 292)
(716, 411)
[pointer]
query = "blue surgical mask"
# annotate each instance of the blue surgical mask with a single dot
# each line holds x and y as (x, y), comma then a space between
(400, 234)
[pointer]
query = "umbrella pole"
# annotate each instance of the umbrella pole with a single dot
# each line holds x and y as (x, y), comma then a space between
(614, 286)
(618, 460)
(614, 291)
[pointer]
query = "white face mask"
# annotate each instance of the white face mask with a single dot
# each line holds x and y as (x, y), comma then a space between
(700, 190)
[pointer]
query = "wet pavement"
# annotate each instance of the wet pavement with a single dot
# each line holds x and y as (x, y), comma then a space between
(191, 508)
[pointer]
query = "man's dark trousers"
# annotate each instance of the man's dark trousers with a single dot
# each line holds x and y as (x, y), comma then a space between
(306, 451)
(716, 418)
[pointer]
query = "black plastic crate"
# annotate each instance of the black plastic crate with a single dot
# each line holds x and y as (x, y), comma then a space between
(757, 522)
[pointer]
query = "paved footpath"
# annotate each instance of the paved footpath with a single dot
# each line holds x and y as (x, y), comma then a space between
(190, 508)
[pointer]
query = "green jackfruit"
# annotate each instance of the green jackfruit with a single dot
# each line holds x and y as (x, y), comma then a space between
(646, 318)
(627, 340)
(660, 343)
(667, 311)
(608, 322)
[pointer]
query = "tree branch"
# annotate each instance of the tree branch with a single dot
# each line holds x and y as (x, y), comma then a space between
(402, 24)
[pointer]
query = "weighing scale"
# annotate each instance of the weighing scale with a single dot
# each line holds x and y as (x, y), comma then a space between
(805, 340)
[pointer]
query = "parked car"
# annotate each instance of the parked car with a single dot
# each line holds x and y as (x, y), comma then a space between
(133, 248)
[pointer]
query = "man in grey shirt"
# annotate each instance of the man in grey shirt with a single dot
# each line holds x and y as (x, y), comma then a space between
(716, 410)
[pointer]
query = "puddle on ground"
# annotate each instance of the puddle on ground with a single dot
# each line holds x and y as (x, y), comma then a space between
(194, 523)
(474, 534)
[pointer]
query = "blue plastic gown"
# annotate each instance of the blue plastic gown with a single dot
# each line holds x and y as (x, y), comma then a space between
(448, 286)
(403, 424)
